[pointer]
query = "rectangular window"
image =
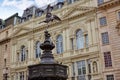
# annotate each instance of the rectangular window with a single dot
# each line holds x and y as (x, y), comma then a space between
(21, 75)
(100, 2)
(105, 38)
(16, 76)
(103, 21)
(81, 70)
(110, 77)
(81, 67)
(107, 59)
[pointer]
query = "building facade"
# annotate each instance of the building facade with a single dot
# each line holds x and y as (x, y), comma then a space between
(75, 38)
(108, 15)
(5, 45)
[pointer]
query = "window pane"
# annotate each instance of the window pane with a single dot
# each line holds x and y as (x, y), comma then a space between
(23, 52)
(108, 60)
(59, 44)
(110, 77)
(103, 21)
(38, 50)
(79, 39)
(105, 38)
(81, 67)
(100, 2)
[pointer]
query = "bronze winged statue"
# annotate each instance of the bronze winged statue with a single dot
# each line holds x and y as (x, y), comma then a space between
(50, 17)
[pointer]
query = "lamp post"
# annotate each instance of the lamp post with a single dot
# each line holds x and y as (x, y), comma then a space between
(48, 69)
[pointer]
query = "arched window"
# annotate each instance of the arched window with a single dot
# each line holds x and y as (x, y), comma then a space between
(23, 52)
(79, 39)
(59, 44)
(38, 50)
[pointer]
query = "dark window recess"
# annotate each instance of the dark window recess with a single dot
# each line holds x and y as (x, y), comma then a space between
(110, 77)
(107, 59)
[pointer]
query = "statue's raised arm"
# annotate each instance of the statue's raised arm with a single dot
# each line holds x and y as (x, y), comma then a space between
(49, 16)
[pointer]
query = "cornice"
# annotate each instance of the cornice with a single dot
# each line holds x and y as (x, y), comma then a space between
(8, 27)
(90, 54)
(109, 4)
(42, 28)
(80, 15)
(5, 40)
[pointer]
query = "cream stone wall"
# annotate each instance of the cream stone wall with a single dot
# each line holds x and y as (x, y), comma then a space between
(5, 50)
(79, 15)
(110, 10)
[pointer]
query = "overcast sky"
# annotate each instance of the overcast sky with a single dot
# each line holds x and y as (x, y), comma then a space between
(10, 7)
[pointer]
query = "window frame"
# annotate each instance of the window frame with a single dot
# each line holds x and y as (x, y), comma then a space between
(105, 38)
(107, 59)
(37, 46)
(110, 77)
(79, 39)
(59, 44)
(82, 66)
(23, 53)
(103, 21)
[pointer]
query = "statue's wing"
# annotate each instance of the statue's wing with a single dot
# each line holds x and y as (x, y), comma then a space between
(56, 18)
(43, 22)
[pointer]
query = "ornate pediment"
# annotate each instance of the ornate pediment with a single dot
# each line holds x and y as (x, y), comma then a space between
(76, 11)
(20, 31)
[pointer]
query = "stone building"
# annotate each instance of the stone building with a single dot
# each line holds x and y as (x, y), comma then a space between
(108, 15)
(5, 45)
(75, 38)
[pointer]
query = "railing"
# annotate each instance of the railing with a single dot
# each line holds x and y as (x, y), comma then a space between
(75, 52)
(81, 77)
